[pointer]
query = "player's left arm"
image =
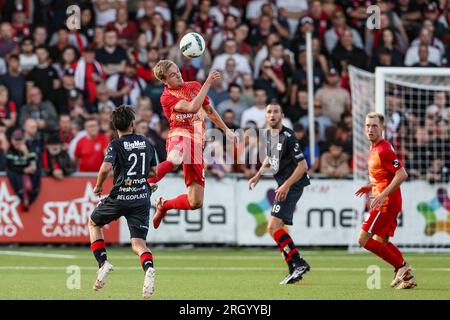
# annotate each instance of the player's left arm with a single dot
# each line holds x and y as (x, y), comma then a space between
(152, 172)
(212, 115)
(398, 179)
(302, 167)
(300, 170)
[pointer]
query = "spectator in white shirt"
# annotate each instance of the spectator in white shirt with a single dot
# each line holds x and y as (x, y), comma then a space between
(227, 32)
(105, 12)
(257, 112)
(230, 46)
(428, 37)
(28, 59)
(222, 9)
(293, 10)
(434, 55)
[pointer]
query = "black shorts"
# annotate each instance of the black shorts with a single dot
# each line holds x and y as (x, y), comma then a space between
(284, 210)
(138, 218)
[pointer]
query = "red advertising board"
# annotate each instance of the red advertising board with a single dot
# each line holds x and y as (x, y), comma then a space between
(60, 214)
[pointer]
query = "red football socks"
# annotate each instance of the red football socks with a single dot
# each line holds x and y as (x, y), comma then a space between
(180, 202)
(161, 170)
(395, 250)
(146, 260)
(98, 248)
(384, 252)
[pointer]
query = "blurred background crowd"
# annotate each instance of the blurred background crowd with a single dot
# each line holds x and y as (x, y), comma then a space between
(58, 87)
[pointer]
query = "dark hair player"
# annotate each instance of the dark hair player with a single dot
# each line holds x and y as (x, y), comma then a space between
(132, 158)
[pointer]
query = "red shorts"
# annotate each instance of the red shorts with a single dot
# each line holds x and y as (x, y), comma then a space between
(382, 222)
(193, 163)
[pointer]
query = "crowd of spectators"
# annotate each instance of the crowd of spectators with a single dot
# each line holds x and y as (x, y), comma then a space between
(58, 87)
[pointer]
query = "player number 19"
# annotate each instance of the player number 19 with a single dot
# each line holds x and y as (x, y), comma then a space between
(135, 157)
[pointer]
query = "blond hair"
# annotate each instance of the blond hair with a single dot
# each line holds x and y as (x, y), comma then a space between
(161, 68)
(380, 117)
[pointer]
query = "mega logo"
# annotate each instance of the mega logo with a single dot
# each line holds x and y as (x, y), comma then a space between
(69, 218)
(10, 221)
(195, 221)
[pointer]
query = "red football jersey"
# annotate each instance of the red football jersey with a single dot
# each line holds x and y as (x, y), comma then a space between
(383, 164)
(184, 124)
(91, 152)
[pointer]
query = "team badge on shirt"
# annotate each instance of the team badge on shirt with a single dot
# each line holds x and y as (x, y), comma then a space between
(396, 163)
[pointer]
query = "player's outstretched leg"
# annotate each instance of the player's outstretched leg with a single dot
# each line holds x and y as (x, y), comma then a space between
(190, 201)
(180, 202)
(161, 170)
(145, 256)
(296, 264)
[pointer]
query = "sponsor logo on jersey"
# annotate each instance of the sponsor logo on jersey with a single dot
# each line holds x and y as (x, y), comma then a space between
(396, 163)
(137, 181)
(131, 189)
(183, 116)
(131, 197)
(134, 145)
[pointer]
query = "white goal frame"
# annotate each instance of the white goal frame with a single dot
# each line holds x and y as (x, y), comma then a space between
(381, 73)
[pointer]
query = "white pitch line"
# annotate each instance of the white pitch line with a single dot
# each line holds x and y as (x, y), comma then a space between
(194, 257)
(37, 254)
(264, 257)
(33, 268)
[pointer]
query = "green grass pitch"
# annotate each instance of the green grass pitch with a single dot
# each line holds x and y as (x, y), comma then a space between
(226, 273)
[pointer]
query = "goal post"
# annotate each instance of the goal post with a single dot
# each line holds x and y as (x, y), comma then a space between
(400, 75)
(415, 103)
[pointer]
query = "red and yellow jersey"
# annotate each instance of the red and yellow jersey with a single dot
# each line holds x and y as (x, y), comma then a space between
(383, 164)
(191, 125)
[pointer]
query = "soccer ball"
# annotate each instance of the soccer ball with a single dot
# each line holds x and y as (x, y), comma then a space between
(192, 45)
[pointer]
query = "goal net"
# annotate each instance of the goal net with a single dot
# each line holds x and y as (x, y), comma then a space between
(415, 103)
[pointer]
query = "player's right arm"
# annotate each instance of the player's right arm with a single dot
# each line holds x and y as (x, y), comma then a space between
(363, 190)
(252, 182)
(110, 159)
(102, 175)
(196, 103)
